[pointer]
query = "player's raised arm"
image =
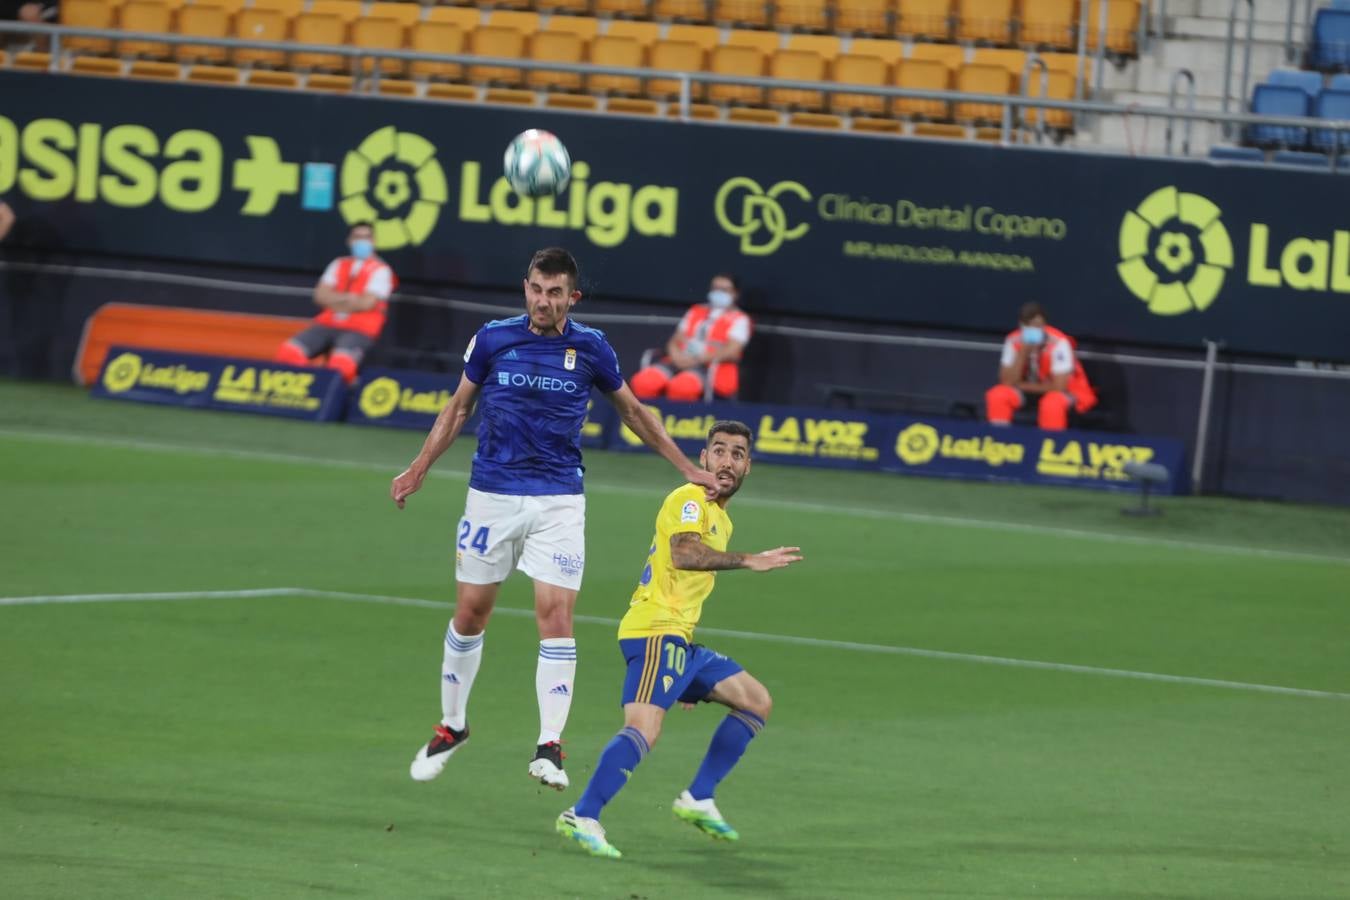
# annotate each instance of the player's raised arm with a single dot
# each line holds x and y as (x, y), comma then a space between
(443, 433)
(687, 551)
(649, 428)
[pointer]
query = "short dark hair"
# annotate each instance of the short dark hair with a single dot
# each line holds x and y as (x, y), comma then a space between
(731, 426)
(360, 224)
(554, 261)
(735, 282)
(1030, 311)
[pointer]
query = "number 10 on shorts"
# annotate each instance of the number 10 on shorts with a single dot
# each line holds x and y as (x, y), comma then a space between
(480, 537)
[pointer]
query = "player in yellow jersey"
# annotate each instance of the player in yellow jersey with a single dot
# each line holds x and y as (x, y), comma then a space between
(664, 665)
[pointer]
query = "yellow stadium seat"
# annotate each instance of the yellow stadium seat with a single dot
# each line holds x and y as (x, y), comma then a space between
(1067, 62)
(163, 71)
(925, 19)
(1012, 60)
(214, 74)
(809, 14)
(1122, 22)
(852, 68)
(797, 65)
(466, 18)
(815, 120)
(555, 46)
(927, 75)
(145, 15)
(752, 13)
(766, 42)
(995, 135)
(696, 111)
(379, 34)
(323, 81)
(645, 33)
(729, 59)
(230, 6)
(288, 8)
(527, 23)
(493, 40)
(1058, 86)
(616, 50)
(440, 90)
(875, 126)
(753, 115)
(985, 20)
(827, 45)
(398, 87)
(950, 55)
(436, 37)
(706, 36)
(975, 78)
(571, 7)
(632, 106)
(87, 14)
(207, 21)
(32, 60)
(887, 50)
(1048, 23)
(681, 10)
(935, 130)
(572, 101)
(259, 25)
(271, 79)
(403, 13)
(514, 96)
(96, 65)
(318, 28)
(621, 7)
(346, 10)
(863, 16)
(675, 56)
(584, 27)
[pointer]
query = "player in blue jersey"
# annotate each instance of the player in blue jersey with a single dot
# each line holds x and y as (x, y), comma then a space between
(531, 376)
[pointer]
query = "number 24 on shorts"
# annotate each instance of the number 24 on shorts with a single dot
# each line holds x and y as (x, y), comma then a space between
(480, 537)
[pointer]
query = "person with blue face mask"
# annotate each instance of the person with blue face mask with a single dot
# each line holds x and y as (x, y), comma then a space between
(704, 352)
(1039, 361)
(354, 294)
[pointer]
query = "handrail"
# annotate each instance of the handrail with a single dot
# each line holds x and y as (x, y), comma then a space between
(1100, 72)
(1034, 61)
(1291, 46)
(1177, 77)
(1246, 56)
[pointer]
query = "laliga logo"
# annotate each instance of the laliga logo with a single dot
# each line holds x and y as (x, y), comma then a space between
(393, 180)
(379, 398)
(917, 444)
(122, 373)
(1174, 252)
(759, 211)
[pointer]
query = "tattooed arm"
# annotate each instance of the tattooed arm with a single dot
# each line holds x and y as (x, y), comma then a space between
(688, 552)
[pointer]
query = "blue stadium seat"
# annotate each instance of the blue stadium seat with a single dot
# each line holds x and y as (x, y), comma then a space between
(1331, 40)
(1221, 153)
(1340, 4)
(1302, 159)
(1279, 100)
(1331, 105)
(1310, 82)
(1340, 82)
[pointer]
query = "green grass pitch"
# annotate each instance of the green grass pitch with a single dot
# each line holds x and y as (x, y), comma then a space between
(258, 746)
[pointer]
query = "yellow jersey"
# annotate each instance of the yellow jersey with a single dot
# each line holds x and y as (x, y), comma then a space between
(670, 600)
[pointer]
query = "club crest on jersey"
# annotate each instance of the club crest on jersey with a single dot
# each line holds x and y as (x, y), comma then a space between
(667, 681)
(690, 512)
(570, 359)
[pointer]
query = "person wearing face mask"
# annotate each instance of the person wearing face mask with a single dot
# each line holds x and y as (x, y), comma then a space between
(354, 294)
(1039, 361)
(711, 336)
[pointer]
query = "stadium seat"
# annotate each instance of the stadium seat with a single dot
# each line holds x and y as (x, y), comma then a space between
(259, 25)
(1309, 82)
(273, 79)
(1331, 104)
(851, 68)
(527, 23)
(513, 96)
(797, 65)
(403, 13)
(398, 87)
(436, 37)
(876, 126)
(440, 90)
(555, 46)
(1015, 61)
(645, 33)
(1058, 86)
(1339, 82)
(32, 61)
(584, 27)
(568, 7)
(87, 14)
(1330, 46)
(214, 74)
(1301, 159)
(985, 20)
(675, 56)
(682, 10)
(741, 61)
(380, 34)
(163, 71)
(937, 130)
(616, 50)
(766, 42)
(1122, 24)
(827, 45)
(815, 120)
(318, 28)
(346, 10)
(585, 102)
(1279, 100)
(288, 8)
(753, 115)
(1068, 62)
(208, 21)
(504, 43)
(1222, 153)
(887, 50)
(813, 15)
(950, 55)
(632, 106)
(96, 65)
(929, 20)
(705, 36)
(1049, 23)
(621, 7)
(327, 81)
(466, 18)
(145, 15)
(974, 78)
(749, 13)
(863, 16)
(696, 111)
(922, 74)
(995, 135)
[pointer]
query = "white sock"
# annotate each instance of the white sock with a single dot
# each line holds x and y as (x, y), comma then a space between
(553, 681)
(458, 668)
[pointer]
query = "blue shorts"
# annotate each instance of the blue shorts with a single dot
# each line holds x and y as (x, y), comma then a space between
(665, 668)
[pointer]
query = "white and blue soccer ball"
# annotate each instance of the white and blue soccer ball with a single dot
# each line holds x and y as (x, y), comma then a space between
(536, 164)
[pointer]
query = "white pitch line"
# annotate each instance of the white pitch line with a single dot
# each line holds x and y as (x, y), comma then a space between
(766, 502)
(793, 640)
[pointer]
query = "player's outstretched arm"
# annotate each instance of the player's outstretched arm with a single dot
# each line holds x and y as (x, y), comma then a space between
(649, 428)
(443, 433)
(687, 551)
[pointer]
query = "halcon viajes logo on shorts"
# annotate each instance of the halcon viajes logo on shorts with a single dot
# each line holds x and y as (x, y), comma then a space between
(1174, 252)
(756, 216)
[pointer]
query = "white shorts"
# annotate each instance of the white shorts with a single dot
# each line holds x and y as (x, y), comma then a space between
(544, 537)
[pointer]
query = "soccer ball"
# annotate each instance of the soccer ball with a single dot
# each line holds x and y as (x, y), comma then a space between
(536, 164)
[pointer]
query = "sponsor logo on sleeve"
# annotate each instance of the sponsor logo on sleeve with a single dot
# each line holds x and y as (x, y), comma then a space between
(690, 512)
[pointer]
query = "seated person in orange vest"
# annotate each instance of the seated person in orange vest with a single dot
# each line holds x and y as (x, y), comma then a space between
(1040, 361)
(354, 293)
(712, 332)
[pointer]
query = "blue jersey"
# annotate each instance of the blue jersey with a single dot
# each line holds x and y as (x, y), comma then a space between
(535, 390)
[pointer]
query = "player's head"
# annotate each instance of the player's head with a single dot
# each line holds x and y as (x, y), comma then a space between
(723, 290)
(1031, 314)
(361, 239)
(727, 455)
(550, 289)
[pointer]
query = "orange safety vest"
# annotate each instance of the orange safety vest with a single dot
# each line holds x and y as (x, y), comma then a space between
(718, 333)
(1079, 388)
(370, 321)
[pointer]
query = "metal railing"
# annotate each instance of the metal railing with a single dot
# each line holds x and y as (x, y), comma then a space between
(1246, 57)
(1179, 76)
(1292, 45)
